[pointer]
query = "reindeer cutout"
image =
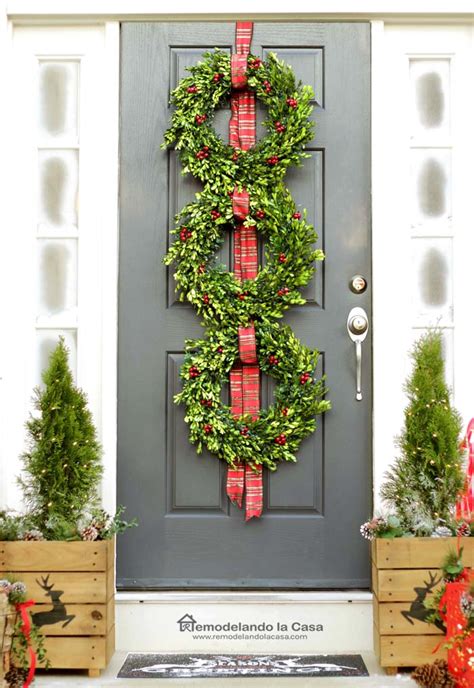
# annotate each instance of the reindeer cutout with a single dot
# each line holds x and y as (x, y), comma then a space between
(58, 612)
(417, 609)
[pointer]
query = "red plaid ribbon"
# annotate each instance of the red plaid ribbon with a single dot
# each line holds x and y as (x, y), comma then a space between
(244, 376)
(465, 503)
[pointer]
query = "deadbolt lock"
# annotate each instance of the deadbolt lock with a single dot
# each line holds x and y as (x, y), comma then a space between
(358, 284)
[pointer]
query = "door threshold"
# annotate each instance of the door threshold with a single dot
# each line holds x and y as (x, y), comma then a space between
(243, 597)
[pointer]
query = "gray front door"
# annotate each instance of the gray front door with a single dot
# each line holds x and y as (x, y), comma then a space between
(189, 533)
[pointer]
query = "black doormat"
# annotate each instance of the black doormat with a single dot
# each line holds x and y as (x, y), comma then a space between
(150, 665)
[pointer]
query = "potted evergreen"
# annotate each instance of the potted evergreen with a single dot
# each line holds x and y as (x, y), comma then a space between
(420, 491)
(63, 547)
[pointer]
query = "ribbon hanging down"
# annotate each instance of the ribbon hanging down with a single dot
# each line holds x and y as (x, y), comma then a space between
(22, 609)
(465, 503)
(244, 376)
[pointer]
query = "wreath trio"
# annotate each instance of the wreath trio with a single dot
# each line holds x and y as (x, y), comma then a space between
(223, 302)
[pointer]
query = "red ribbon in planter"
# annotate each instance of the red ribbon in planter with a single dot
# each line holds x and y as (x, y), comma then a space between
(22, 609)
(465, 503)
(245, 375)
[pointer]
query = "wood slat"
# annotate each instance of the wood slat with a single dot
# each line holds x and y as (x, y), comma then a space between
(78, 588)
(410, 553)
(389, 620)
(54, 556)
(77, 652)
(88, 620)
(110, 644)
(398, 585)
(409, 650)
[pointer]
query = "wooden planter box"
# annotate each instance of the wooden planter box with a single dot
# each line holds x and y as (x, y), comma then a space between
(73, 586)
(404, 572)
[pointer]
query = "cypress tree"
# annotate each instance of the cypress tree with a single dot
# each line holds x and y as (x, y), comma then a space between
(425, 480)
(62, 466)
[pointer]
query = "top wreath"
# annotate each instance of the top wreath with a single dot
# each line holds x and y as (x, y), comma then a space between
(218, 164)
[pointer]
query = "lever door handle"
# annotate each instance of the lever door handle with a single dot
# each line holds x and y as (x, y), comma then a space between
(357, 328)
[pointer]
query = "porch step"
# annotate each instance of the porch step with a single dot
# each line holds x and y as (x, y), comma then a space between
(277, 622)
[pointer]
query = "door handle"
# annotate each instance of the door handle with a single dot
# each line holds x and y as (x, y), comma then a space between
(357, 328)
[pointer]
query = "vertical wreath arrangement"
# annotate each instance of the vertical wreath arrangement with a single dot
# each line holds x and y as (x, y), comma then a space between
(243, 190)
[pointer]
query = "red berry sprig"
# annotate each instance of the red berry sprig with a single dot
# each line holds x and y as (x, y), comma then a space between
(280, 127)
(273, 160)
(244, 431)
(208, 428)
(203, 153)
(192, 89)
(215, 214)
(297, 216)
(201, 269)
(235, 157)
(282, 258)
(273, 360)
(283, 291)
(260, 214)
(292, 102)
(205, 299)
(200, 119)
(220, 349)
(281, 440)
(304, 378)
(206, 402)
(194, 372)
(255, 63)
(284, 411)
(217, 77)
(268, 86)
(185, 233)
(242, 295)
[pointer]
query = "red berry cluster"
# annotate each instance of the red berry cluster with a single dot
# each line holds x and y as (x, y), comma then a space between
(202, 269)
(292, 102)
(206, 402)
(215, 214)
(273, 160)
(283, 291)
(200, 119)
(203, 153)
(205, 299)
(297, 216)
(194, 372)
(280, 127)
(242, 295)
(185, 233)
(235, 156)
(208, 428)
(255, 63)
(217, 77)
(268, 86)
(260, 214)
(192, 89)
(282, 258)
(220, 349)
(281, 440)
(244, 431)
(305, 378)
(284, 411)
(273, 360)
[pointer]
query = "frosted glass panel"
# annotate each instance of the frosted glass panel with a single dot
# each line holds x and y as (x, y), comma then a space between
(58, 188)
(432, 273)
(431, 187)
(430, 83)
(57, 276)
(58, 100)
(46, 342)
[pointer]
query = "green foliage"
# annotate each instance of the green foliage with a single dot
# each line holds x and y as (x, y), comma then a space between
(423, 484)
(62, 467)
(219, 298)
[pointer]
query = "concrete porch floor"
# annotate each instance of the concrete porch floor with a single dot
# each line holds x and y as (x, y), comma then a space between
(377, 679)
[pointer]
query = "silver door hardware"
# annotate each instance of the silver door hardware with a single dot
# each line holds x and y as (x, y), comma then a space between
(358, 284)
(357, 328)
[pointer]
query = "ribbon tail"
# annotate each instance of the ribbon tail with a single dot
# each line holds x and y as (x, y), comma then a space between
(253, 491)
(22, 608)
(235, 484)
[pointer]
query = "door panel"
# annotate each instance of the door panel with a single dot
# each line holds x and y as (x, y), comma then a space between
(189, 534)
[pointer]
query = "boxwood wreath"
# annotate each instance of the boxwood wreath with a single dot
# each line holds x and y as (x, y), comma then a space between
(221, 300)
